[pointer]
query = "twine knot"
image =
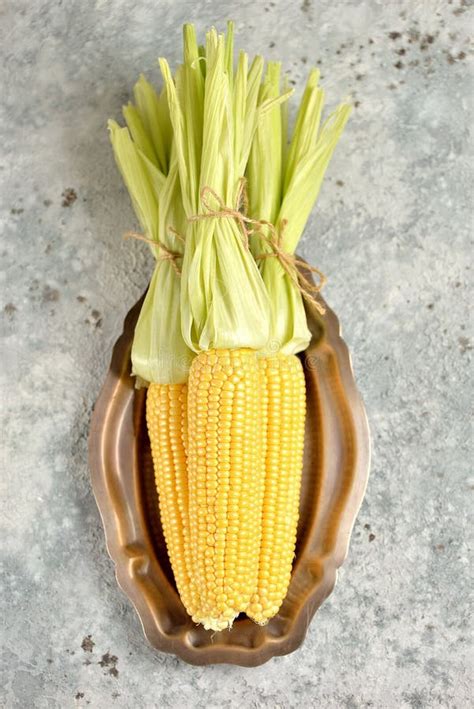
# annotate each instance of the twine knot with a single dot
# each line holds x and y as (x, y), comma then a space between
(273, 239)
(168, 254)
(223, 212)
(291, 264)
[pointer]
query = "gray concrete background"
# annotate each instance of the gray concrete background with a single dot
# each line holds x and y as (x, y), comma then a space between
(391, 232)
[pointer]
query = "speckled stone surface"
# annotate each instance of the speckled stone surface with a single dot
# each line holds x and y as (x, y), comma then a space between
(391, 232)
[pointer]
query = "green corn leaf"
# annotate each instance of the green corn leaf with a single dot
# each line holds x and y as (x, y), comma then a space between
(223, 300)
(239, 109)
(308, 174)
(179, 135)
(150, 110)
(264, 169)
(251, 112)
(139, 133)
(136, 179)
(229, 53)
(283, 184)
(159, 353)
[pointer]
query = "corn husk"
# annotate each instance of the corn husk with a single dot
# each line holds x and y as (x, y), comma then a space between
(283, 184)
(183, 156)
(224, 303)
(149, 166)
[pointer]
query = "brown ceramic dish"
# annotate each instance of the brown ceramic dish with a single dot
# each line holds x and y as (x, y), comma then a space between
(336, 466)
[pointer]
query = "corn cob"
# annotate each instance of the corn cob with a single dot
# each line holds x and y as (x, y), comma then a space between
(167, 429)
(285, 385)
(226, 478)
(244, 468)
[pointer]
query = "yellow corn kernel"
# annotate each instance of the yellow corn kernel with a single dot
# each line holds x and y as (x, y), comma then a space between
(285, 386)
(226, 476)
(166, 415)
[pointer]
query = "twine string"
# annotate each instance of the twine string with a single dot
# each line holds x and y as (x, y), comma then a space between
(167, 255)
(223, 212)
(292, 265)
(270, 235)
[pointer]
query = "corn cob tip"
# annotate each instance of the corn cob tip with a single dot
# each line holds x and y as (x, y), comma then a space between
(216, 624)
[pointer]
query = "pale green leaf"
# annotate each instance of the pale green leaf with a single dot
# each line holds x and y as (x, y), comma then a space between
(223, 299)
(139, 133)
(150, 110)
(136, 179)
(159, 353)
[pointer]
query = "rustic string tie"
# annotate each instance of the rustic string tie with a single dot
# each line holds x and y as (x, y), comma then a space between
(168, 254)
(224, 212)
(291, 264)
(270, 235)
